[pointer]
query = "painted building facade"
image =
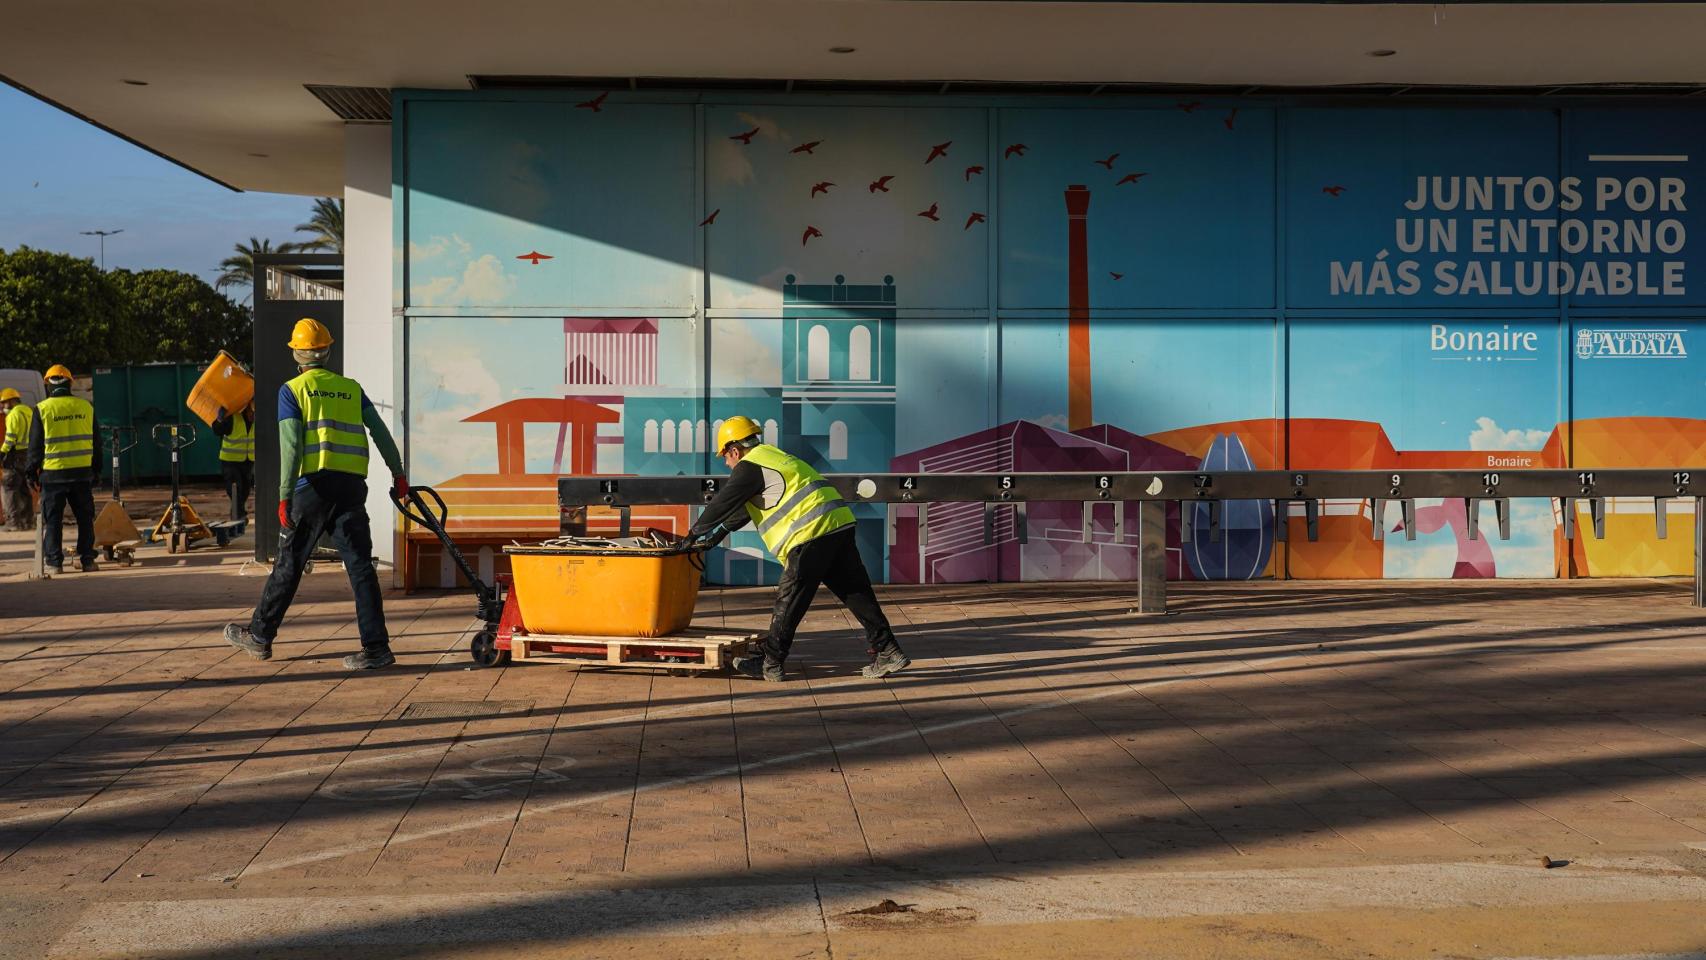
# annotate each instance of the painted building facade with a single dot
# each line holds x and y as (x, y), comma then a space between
(941, 284)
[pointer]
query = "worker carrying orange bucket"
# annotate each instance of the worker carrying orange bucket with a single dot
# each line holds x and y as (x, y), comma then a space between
(807, 525)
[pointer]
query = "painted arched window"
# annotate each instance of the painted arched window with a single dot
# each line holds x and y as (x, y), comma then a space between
(667, 435)
(651, 437)
(771, 433)
(699, 441)
(817, 353)
(859, 353)
(686, 445)
(838, 439)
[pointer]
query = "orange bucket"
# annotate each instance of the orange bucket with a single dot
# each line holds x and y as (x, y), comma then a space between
(224, 384)
(608, 590)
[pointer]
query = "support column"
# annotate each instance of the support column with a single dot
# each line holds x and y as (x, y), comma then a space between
(1700, 551)
(370, 356)
(1152, 556)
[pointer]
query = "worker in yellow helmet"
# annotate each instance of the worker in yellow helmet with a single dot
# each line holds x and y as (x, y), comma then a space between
(236, 433)
(805, 523)
(62, 464)
(324, 424)
(15, 461)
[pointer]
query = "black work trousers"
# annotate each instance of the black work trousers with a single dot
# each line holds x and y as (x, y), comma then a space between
(55, 497)
(336, 504)
(239, 480)
(833, 561)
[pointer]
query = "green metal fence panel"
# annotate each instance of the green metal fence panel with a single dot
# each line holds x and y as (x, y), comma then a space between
(139, 398)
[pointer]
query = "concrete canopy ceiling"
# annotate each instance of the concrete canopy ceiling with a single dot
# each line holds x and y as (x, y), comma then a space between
(226, 81)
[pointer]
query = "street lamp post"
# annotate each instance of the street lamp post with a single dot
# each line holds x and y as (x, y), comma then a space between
(103, 234)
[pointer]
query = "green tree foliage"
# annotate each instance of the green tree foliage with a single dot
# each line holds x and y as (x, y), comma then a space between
(56, 308)
(325, 227)
(179, 317)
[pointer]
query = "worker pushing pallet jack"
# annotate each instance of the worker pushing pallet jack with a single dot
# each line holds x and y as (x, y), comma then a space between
(630, 601)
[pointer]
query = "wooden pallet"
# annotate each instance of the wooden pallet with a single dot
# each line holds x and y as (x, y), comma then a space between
(692, 649)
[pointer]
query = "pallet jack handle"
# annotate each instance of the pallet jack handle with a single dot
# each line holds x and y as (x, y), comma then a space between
(119, 448)
(175, 437)
(433, 516)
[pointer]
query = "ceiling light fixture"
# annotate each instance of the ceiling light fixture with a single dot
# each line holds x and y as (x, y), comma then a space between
(137, 83)
(263, 156)
(841, 49)
(1382, 53)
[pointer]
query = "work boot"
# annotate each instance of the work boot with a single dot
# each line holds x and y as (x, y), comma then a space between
(758, 668)
(239, 636)
(889, 661)
(88, 566)
(369, 661)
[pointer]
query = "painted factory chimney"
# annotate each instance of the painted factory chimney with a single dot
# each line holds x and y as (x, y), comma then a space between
(1078, 413)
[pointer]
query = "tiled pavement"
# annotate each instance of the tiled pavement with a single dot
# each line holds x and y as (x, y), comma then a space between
(1042, 727)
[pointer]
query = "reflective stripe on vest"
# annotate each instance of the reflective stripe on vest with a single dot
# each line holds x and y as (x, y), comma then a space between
(333, 437)
(18, 428)
(808, 508)
(68, 433)
(238, 446)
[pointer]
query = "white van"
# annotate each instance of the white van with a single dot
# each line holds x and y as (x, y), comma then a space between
(27, 382)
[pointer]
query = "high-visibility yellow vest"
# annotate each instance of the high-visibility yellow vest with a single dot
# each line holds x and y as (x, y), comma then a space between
(18, 421)
(333, 437)
(238, 446)
(68, 433)
(807, 508)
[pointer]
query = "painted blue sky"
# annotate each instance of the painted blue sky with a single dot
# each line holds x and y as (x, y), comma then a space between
(59, 175)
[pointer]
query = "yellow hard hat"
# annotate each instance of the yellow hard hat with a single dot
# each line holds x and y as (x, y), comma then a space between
(57, 372)
(310, 334)
(736, 428)
(9, 394)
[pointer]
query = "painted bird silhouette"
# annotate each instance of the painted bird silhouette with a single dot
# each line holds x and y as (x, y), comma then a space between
(822, 186)
(1017, 148)
(1130, 178)
(806, 147)
(1335, 190)
(811, 232)
(930, 214)
(939, 150)
(1231, 118)
(534, 256)
(1189, 105)
(712, 218)
(1116, 276)
(1109, 163)
(972, 170)
(746, 137)
(596, 104)
(974, 218)
(881, 183)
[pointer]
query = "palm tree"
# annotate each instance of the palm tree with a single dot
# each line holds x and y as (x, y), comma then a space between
(326, 226)
(238, 270)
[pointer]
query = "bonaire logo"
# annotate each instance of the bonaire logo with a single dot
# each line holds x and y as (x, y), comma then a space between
(1631, 345)
(1482, 344)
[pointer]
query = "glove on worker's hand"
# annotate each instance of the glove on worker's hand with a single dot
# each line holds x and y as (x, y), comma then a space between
(284, 514)
(399, 488)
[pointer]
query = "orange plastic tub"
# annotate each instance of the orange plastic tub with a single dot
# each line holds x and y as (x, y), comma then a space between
(604, 591)
(224, 384)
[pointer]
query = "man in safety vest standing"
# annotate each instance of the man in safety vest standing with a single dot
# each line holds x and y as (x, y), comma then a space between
(15, 461)
(324, 423)
(807, 525)
(62, 463)
(237, 456)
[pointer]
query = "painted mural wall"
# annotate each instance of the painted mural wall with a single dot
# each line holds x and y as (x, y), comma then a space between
(591, 283)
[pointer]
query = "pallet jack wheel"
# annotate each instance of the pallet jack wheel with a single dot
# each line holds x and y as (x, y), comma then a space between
(485, 650)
